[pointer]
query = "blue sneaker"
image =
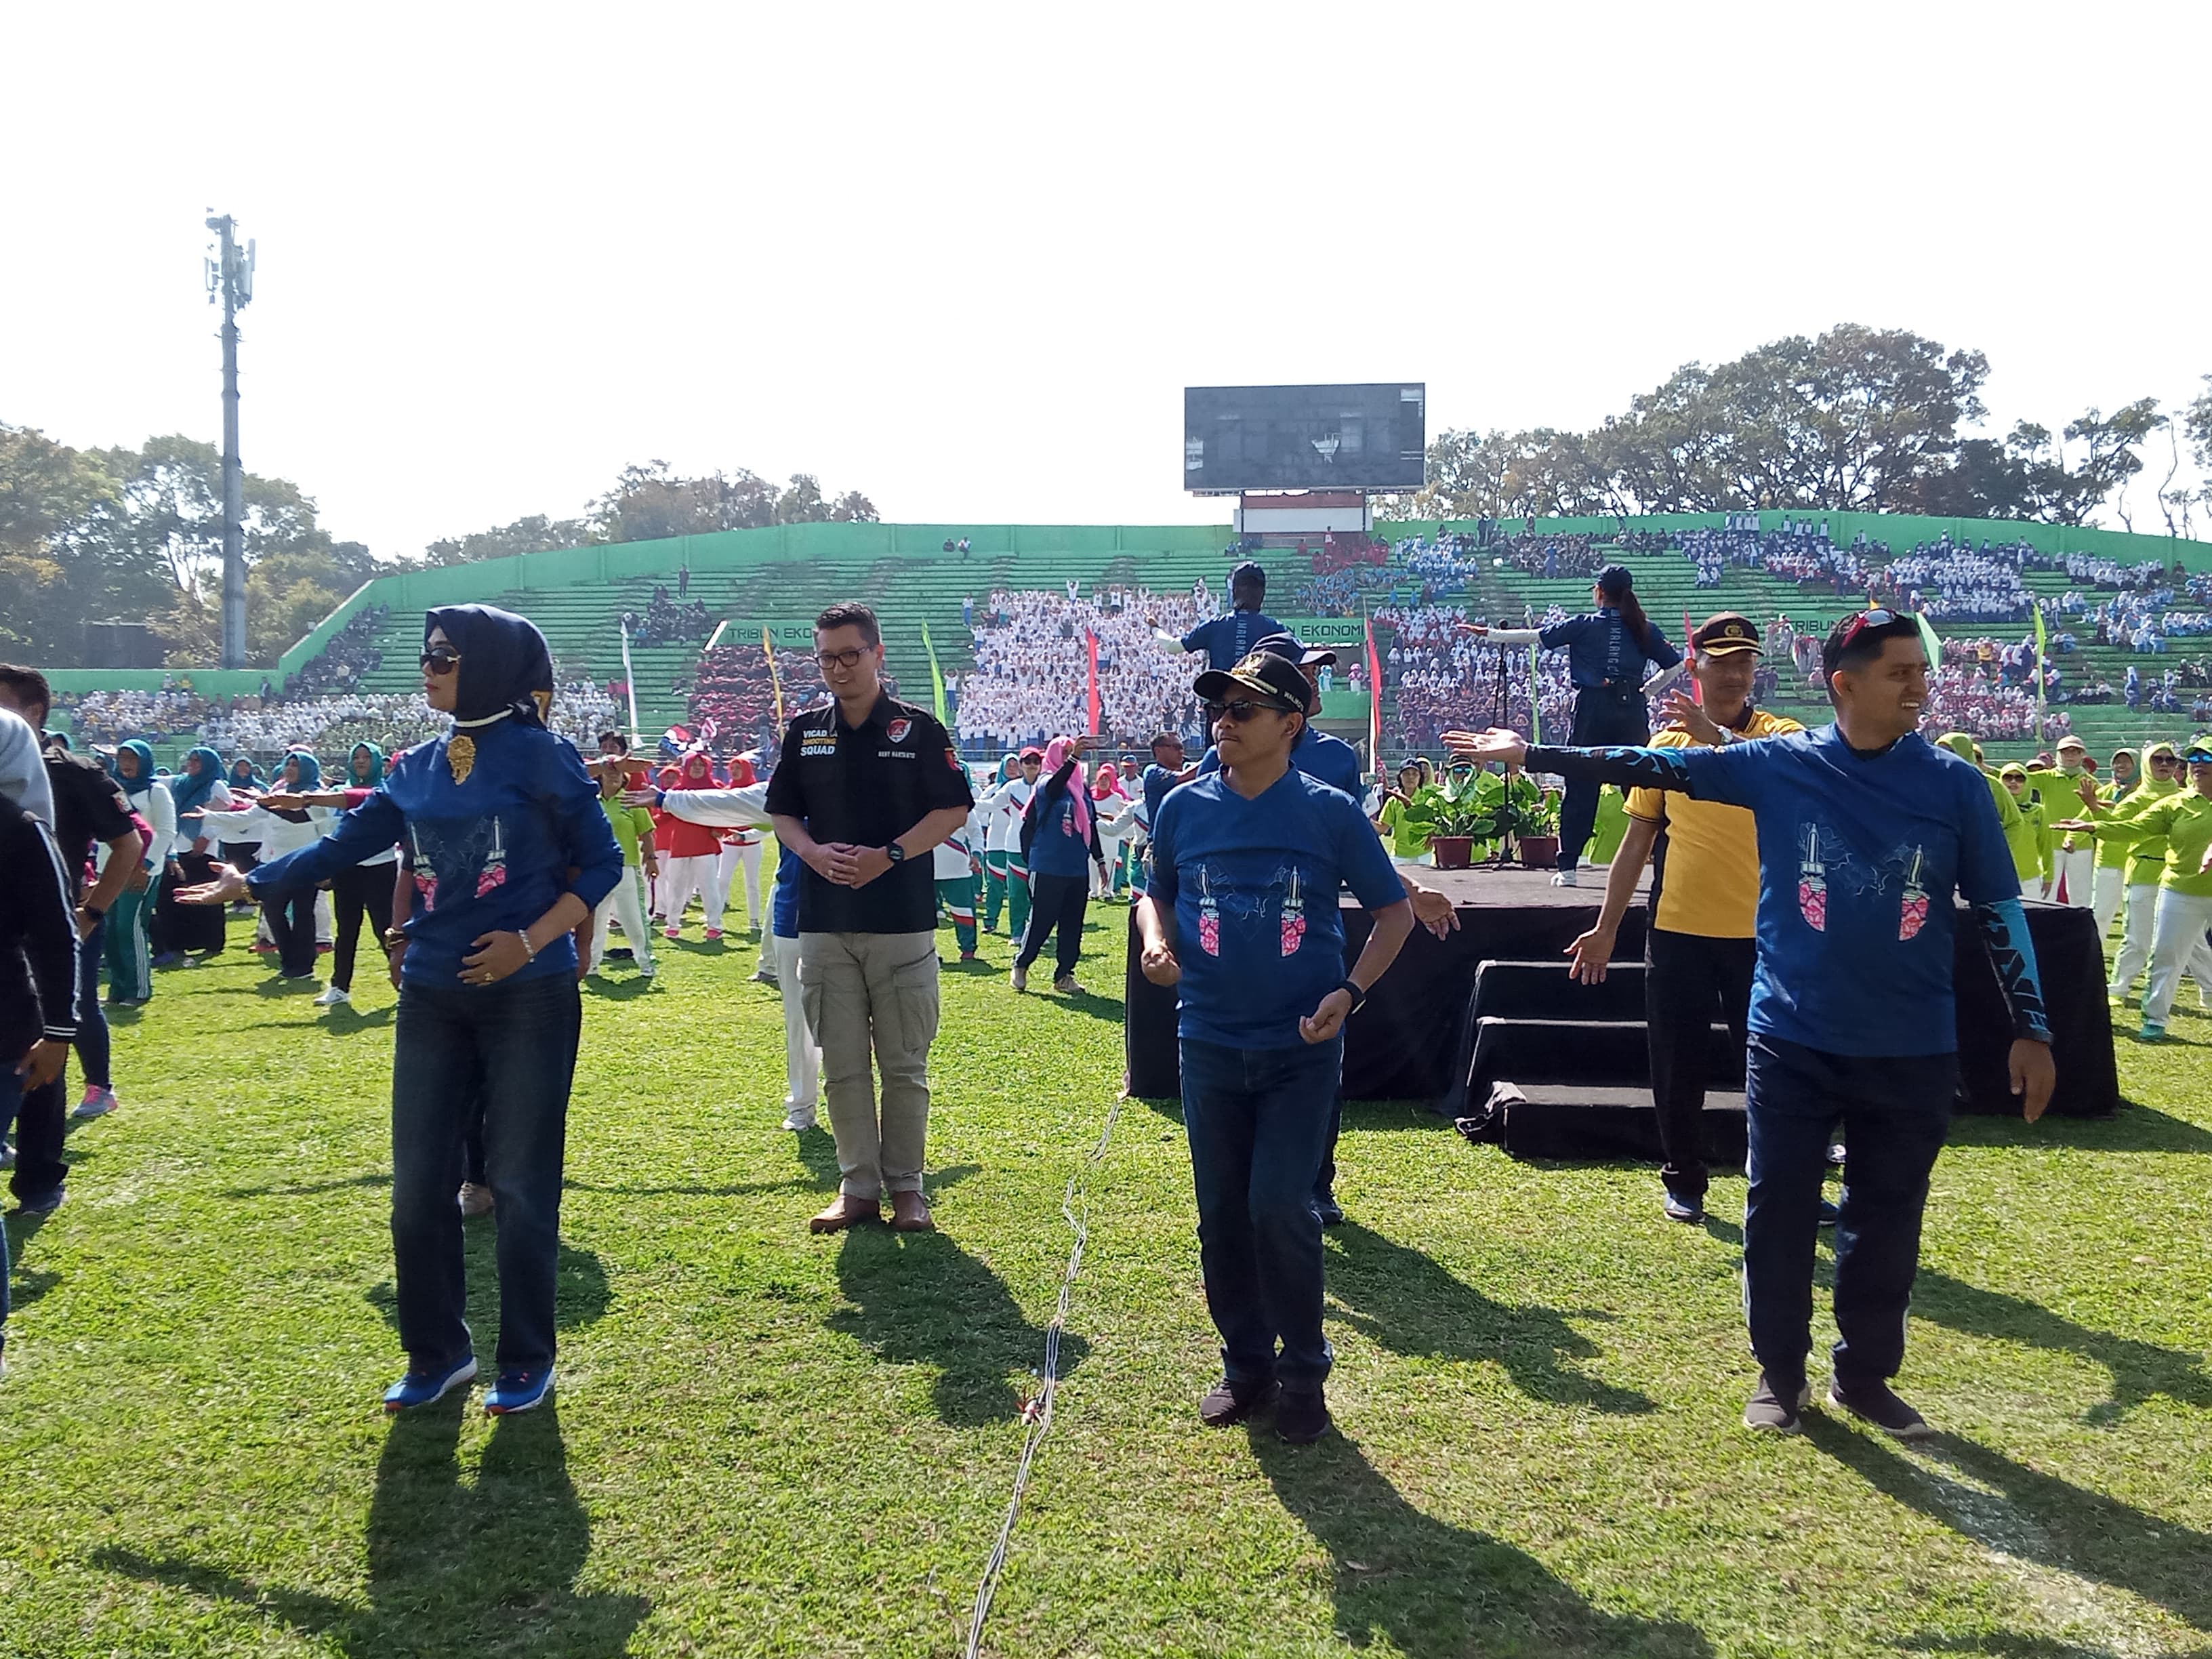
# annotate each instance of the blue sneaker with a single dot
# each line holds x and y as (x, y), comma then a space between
(2151, 1033)
(44, 1203)
(1829, 1215)
(518, 1390)
(422, 1388)
(1681, 1207)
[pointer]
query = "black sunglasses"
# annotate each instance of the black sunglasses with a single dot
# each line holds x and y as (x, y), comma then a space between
(440, 659)
(1242, 709)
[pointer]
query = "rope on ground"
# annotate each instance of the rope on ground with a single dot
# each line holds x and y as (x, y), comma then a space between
(1037, 1414)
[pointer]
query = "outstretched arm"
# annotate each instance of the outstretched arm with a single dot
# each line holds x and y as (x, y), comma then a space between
(1629, 768)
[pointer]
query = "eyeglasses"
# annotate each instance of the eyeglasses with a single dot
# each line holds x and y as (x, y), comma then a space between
(1241, 710)
(849, 658)
(441, 660)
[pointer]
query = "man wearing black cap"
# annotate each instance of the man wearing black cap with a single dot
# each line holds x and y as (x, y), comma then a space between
(1866, 830)
(1699, 948)
(1228, 640)
(1240, 910)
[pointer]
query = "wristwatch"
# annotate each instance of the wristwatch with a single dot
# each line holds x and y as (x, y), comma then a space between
(895, 853)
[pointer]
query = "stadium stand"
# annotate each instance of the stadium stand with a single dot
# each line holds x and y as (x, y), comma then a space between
(2129, 620)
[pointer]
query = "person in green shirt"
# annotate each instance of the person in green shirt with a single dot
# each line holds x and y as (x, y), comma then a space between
(2179, 945)
(2066, 790)
(2109, 882)
(2029, 835)
(633, 828)
(1408, 839)
(2145, 859)
(1964, 746)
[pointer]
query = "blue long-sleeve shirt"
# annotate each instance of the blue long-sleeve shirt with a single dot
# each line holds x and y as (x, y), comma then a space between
(1600, 652)
(488, 855)
(1859, 858)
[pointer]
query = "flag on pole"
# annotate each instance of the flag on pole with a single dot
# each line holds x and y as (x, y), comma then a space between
(2042, 678)
(936, 676)
(774, 678)
(1090, 642)
(1374, 697)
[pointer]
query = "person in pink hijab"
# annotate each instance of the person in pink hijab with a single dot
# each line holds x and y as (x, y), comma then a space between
(1059, 836)
(1110, 802)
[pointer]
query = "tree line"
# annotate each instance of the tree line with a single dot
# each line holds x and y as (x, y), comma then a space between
(136, 535)
(1858, 420)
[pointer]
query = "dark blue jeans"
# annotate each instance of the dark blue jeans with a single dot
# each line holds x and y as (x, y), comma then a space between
(1256, 1119)
(93, 1046)
(513, 1045)
(291, 929)
(1894, 1113)
(41, 1115)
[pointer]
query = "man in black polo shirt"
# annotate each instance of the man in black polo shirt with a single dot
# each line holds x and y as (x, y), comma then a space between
(88, 807)
(867, 786)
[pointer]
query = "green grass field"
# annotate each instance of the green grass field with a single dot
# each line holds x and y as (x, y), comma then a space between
(770, 1443)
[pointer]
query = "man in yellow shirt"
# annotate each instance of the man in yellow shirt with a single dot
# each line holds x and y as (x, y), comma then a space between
(1699, 948)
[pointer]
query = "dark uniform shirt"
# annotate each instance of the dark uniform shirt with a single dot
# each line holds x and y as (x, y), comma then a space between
(88, 807)
(867, 786)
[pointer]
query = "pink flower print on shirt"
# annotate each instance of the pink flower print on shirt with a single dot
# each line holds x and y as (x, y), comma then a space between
(1294, 918)
(1209, 918)
(1813, 884)
(1914, 915)
(494, 873)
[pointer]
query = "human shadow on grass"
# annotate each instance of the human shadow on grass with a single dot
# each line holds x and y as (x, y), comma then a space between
(1406, 1302)
(816, 1151)
(2133, 1128)
(920, 1299)
(490, 1568)
(312, 1188)
(581, 1296)
(2139, 1371)
(2011, 1509)
(27, 1286)
(1433, 1590)
(2014, 1645)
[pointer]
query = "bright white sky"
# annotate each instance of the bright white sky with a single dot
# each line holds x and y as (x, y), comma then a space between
(966, 258)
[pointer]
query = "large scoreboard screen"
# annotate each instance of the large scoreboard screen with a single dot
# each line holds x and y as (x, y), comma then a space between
(1304, 437)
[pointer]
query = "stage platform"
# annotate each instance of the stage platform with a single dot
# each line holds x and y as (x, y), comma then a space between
(1575, 1051)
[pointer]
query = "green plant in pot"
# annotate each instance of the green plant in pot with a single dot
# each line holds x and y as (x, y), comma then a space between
(1533, 817)
(1465, 810)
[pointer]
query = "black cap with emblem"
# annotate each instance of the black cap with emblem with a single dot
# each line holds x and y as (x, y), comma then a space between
(1726, 634)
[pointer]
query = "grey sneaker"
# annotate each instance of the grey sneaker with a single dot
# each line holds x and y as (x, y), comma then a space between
(1020, 979)
(1877, 1403)
(1066, 985)
(1770, 1412)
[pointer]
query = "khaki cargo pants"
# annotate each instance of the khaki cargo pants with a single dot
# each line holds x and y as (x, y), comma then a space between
(873, 995)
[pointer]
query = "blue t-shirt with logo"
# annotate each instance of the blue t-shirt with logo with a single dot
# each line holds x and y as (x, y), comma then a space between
(1253, 884)
(1056, 850)
(1159, 780)
(1860, 856)
(1317, 754)
(1227, 640)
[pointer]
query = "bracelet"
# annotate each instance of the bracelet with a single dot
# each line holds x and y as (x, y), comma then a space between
(529, 951)
(1351, 989)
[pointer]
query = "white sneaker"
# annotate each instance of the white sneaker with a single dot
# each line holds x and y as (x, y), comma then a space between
(798, 1118)
(1566, 878)
(1020, 979)
(97, 1102)
(334, 997)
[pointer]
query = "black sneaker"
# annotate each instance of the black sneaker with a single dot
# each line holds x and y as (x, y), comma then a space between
(1771, 1413)
(1877, 1403)
(1301, 1417)
(1227, 1402)
(1330, 1211)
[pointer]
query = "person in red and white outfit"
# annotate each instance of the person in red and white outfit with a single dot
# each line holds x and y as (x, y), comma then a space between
(739, 846)
(689, 852)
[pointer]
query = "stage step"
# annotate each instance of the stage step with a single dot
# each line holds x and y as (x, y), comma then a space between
(1608, 1053)
(1544, 990)
(1575, 1121)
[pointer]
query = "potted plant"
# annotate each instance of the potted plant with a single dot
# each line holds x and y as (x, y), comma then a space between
(1533, 816)
(1463, 809)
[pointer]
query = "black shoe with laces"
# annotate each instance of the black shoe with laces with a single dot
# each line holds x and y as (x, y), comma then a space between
(1228, 1401)
(1877, 1403)
(1301, 1417)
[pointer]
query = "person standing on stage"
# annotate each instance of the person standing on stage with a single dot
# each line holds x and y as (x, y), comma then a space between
(507, 852)
(1699, 947)
(1610, 651)
(1866, 830)
(1226, 640)
(1240, 912)
(87, 809)
(866, 788)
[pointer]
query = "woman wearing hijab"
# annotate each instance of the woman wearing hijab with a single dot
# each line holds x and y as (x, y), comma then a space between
(359, 890)
(1109, 804)
(179, 929)
(507, 851)
(1612, 650)
(688, 852)
(279, 832)
(127, 939)
(247, 782)
(738, 848)
(1060, 835)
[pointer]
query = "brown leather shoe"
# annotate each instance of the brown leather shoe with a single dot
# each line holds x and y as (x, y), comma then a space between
(845, 1212)
(910, 1214)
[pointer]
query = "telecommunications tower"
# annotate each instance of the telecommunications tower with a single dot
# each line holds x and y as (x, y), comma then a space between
(230, 277)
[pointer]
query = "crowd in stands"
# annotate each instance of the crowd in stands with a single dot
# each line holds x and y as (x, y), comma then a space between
(1344, 593)
(668, 621)
(735, 692)
(345, 659)
(1441, 679)
(1032, 676)
(113, 716)
(1345, 551)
